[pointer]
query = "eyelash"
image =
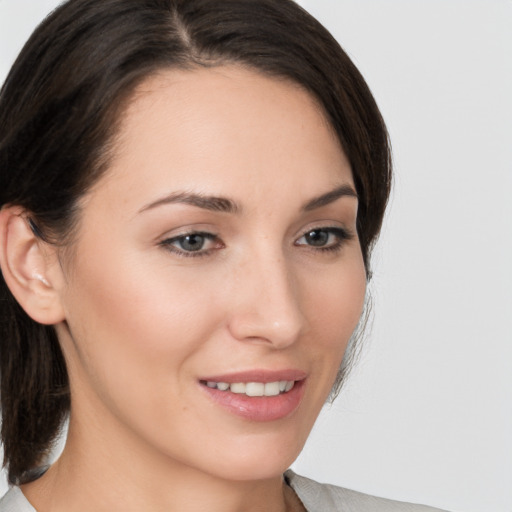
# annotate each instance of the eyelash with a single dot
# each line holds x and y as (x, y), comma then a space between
(168, 244)
(343, 235)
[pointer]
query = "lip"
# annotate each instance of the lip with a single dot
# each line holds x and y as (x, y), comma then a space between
(260, 409)
(258, 376)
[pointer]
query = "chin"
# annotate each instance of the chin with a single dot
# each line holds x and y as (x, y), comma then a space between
(258, 459)
(247, 470)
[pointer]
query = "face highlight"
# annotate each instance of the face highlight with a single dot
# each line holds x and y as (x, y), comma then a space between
(216, 278)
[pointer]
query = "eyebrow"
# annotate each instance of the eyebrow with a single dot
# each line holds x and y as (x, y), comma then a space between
(212, 203)
(328, 198)
(225, 205)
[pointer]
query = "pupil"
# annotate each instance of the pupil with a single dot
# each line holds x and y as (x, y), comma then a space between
(192, 242)
(317, 237)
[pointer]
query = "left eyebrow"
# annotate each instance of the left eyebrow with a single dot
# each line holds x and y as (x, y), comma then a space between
(330, 197)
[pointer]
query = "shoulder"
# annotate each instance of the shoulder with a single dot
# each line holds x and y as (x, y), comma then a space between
(15, 501)
(330, 498)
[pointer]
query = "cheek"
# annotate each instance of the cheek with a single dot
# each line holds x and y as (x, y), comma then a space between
(138, 288)
(334, 310)
(133, 326)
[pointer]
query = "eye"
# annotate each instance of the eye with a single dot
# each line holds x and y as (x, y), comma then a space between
(325, 239)
(192, 244)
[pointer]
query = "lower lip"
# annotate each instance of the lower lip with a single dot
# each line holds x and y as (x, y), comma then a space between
(260, 408)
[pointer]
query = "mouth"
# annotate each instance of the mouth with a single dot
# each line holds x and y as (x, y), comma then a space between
(258, 395)
(253, 389)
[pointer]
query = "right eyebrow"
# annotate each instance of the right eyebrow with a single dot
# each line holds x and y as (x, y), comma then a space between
(212, 203)
(331, 196)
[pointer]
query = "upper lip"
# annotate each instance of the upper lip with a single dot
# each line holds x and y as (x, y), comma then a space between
(258, 375)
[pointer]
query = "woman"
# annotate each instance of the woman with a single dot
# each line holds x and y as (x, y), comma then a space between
(190, 192)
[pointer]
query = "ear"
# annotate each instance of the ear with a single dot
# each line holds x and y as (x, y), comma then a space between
(30, 267)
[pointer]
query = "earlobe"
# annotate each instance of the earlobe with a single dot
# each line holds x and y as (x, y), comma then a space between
(25, 261)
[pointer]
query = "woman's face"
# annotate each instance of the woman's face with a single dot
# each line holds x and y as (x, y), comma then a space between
(219, 251)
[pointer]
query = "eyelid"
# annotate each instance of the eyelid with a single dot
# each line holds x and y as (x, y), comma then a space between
(332, 226)
(169, 241)
(343, 235)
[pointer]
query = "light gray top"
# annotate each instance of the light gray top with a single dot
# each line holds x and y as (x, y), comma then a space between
(15, 501)
(316, 498)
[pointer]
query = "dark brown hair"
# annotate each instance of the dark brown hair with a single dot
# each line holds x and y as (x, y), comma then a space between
(59, 110)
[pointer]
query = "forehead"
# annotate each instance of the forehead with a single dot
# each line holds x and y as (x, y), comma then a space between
(208, 129)
(211, 92)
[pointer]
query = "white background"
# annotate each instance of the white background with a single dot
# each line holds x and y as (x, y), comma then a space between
(427, 414)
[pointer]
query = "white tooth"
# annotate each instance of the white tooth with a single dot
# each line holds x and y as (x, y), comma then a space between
(282, 385)
(255, 389)
(211, 384)
(223, 386)
(272, 388)
(289, 385)
(238, 387)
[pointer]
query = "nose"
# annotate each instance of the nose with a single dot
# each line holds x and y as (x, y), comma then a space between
(265, 305)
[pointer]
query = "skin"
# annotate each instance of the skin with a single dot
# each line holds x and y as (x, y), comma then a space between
(142, 322)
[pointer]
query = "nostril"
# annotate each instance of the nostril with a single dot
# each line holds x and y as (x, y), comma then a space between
(256, 326)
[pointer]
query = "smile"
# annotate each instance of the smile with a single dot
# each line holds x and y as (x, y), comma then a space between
(257, 395)
(253, 389)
